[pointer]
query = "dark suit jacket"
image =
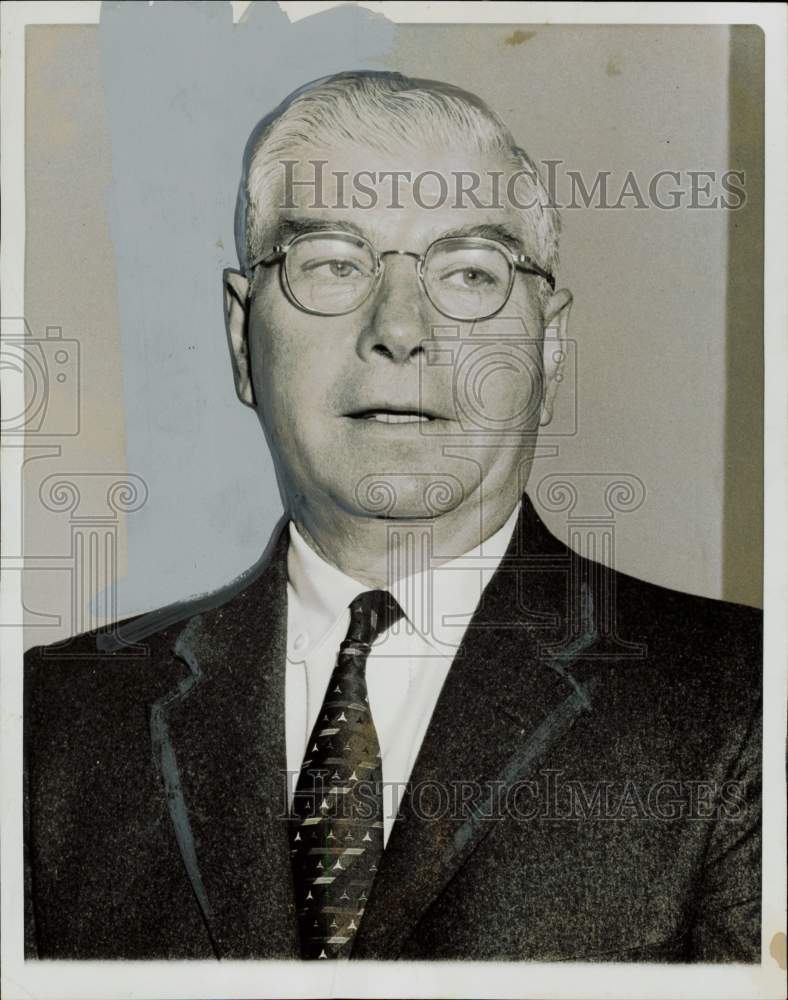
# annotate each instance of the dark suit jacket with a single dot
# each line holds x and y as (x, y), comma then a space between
(603, 732)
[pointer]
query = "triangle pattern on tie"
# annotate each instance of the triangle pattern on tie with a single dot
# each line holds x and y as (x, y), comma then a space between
(342, 801)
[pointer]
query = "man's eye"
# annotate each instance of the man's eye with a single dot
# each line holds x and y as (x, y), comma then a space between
(334, 268)
(341, 268)
(470, 277)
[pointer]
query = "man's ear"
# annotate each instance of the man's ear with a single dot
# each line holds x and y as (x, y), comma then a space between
(236, 321)
(556, 326)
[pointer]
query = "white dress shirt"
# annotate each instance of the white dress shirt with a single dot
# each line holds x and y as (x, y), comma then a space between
(407, 665)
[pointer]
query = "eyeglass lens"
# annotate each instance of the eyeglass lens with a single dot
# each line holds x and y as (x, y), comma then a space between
(334, 274)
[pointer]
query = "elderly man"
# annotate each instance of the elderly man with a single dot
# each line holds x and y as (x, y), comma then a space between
(419, 726)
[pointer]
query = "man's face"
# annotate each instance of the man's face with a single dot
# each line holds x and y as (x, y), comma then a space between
(394, 408)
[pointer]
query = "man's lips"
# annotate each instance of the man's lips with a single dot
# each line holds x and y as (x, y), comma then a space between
(389, 414)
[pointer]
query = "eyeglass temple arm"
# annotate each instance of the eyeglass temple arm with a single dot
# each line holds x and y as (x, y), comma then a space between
(526, 264)
(276, 253)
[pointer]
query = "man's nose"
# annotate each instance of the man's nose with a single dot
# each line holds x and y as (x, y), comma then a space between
(400, 319)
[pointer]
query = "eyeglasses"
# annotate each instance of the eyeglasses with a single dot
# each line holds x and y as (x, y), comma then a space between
(333, 273)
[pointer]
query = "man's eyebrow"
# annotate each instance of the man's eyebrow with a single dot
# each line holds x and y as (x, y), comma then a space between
(490, 231)
(289, 229)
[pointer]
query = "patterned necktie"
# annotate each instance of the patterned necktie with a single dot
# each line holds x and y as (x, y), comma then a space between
(336, 838)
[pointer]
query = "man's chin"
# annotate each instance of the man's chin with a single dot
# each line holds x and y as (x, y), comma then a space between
(407, 496)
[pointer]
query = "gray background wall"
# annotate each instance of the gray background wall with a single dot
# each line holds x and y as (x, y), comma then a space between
(134, 137)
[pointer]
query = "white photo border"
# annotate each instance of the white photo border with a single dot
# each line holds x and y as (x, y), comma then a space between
(198, 979)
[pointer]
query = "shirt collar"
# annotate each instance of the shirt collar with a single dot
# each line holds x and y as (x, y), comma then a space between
(318, 595)
(438, 603)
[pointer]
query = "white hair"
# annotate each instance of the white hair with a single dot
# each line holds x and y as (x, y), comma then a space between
(382, 110)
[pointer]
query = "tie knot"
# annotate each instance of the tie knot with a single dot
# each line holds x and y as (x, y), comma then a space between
(371, 613)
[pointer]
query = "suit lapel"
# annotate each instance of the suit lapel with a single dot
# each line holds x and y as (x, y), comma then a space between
(219, 743)
(505, 703)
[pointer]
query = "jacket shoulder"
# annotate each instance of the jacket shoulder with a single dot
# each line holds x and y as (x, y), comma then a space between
(148, 635)
(691, 617)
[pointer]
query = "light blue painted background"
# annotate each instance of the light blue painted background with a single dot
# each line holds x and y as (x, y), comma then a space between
(184, 88)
